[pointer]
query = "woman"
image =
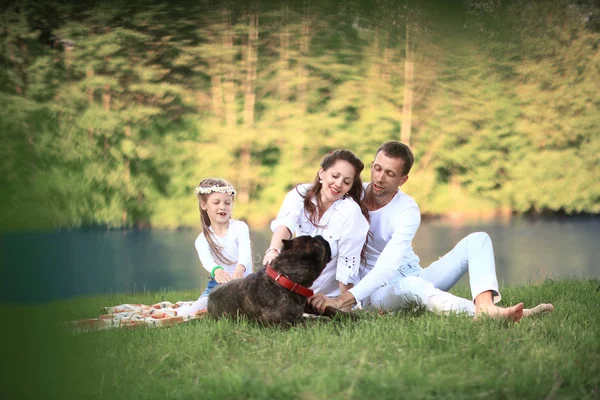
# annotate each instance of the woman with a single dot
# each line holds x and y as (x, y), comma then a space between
(329, 207)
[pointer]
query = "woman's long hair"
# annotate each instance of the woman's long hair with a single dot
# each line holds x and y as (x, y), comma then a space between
(205, 220)
(356, 190)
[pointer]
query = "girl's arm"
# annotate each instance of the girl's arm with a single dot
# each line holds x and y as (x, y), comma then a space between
(239, 272)
(208, 262)
(244, 251)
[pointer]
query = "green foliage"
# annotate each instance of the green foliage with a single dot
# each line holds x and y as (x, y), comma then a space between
(118, 109)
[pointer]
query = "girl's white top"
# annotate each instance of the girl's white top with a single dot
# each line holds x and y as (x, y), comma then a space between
(342, 225)
(235, 246)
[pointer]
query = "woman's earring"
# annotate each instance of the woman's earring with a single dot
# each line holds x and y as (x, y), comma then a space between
(320, 180)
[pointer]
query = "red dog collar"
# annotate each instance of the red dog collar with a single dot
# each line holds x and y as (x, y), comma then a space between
(288, 283)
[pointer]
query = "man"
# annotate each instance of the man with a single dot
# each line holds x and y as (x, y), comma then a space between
(392, 279)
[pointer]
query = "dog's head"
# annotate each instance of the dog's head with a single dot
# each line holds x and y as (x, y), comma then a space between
(303, 259)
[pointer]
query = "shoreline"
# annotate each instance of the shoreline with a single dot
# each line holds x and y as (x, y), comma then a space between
(503, 215)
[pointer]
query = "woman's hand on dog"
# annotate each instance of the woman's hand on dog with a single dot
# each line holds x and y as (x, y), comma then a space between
(221, 276)
(269, 257)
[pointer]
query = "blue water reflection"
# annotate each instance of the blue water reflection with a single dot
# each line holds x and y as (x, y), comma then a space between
(45, 266)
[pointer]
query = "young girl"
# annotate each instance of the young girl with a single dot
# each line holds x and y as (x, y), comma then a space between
(224, 244)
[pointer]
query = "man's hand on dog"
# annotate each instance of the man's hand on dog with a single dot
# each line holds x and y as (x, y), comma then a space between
(320, 302)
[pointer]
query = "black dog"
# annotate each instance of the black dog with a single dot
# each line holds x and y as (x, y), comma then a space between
(261, 298)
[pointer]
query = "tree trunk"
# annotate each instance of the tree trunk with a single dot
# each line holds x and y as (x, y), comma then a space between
(408, 91)
(201, 101)
(284, 57)
(304, 45)
(216, 87)
(106, 107)
(387, 56)
(89, 90)
(229, 85)
(216, 91)
(454, 183)
(126, 173)
(68, 60)
(370, 92)
(90, 97)
(250, 95)
(246, 168)
(21, 89)
(244, 175)
(106, 98)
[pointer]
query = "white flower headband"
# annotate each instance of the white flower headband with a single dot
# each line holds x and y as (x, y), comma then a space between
(215, 189)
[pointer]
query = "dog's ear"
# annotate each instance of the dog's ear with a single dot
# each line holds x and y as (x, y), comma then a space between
(322, 240)
(287, 244)
(327, 248)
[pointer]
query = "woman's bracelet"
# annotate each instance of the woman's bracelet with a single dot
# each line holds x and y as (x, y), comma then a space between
(274, 249)
(212, 273)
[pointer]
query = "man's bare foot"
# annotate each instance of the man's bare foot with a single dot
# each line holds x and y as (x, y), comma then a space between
(514, 313)
(540, 308)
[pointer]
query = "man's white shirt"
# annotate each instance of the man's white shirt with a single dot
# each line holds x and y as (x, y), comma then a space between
(392, 229)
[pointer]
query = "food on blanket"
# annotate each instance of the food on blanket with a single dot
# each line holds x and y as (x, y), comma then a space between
(134, 315)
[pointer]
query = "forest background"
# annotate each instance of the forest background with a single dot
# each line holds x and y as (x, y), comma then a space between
(112, 111)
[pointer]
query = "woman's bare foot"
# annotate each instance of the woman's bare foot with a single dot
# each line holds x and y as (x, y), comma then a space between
(540, 308)
(514, 313)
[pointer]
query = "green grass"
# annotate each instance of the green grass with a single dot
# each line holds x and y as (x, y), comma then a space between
(399, 355)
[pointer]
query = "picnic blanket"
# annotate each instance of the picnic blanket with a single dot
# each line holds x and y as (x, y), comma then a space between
(135, 315)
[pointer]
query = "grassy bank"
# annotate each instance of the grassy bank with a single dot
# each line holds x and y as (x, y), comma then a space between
(399, 355)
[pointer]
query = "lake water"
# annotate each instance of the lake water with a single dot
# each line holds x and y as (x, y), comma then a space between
(45, 266)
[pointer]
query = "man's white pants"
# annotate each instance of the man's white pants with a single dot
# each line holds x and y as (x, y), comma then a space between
(413, 286)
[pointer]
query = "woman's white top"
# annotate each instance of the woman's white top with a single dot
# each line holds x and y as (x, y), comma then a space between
(342, 225)
(235, 246)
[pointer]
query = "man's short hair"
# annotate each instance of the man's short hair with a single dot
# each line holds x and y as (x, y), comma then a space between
(396, 149)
